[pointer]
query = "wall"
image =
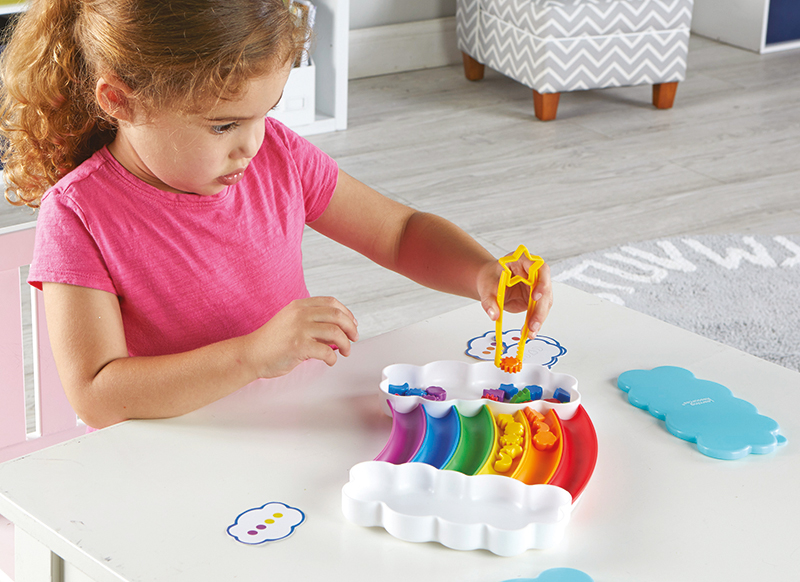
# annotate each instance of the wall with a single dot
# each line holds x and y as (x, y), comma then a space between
(391, 36)
(369, 13)
(737, 22)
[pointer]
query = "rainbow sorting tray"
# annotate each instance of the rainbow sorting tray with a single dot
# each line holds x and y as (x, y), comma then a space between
(475, 474)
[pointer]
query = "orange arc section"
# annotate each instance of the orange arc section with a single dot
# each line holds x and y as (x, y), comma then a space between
(538, 466)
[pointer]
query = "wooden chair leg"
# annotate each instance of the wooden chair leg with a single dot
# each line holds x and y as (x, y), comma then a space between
(545, 105)
(473, 70)
(664, 94)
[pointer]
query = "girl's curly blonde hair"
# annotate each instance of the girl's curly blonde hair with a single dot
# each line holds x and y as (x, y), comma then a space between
(176, 54)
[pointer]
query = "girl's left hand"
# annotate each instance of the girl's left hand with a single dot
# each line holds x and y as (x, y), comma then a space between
(516, 299)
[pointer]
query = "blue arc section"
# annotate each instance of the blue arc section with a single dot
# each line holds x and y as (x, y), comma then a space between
(441, 439)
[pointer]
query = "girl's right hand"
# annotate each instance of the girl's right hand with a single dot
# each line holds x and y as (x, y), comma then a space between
(312, 328)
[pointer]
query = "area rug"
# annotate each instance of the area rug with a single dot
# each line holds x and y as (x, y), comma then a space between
(743, 291)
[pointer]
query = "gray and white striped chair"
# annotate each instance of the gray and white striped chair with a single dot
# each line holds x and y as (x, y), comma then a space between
(555, 46)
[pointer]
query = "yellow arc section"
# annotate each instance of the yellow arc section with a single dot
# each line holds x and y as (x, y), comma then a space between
(508, 452)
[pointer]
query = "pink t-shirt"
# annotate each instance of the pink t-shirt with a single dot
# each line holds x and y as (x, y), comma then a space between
(188, 270)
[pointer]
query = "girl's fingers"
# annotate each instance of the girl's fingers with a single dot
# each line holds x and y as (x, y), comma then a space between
(516, 298)
(537, 319)
(330, 335)
(311, 328)
(543, 295)
(330, 302)
(329, 310)
(321, 350)
(332, 327)
(490, 306)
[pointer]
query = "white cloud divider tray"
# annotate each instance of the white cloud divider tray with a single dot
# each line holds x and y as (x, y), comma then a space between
(415, 502)
(465, 383)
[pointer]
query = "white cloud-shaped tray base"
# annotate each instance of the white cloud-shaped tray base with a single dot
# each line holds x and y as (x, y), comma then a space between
(415, 502)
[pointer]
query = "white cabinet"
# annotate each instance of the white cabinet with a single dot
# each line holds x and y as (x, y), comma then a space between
(762, 26)
(11, 7)
(329, 53)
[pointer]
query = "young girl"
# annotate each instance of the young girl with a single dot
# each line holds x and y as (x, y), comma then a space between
(172, 210)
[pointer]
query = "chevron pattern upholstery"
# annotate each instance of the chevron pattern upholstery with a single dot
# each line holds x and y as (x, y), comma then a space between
(555, 46)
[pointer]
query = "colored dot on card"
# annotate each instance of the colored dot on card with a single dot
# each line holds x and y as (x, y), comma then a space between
(269, 521)
(252, 532)
(515, 338)
(277, 515)
(261, 526)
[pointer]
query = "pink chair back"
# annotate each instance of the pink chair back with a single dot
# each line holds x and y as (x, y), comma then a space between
(55, 421)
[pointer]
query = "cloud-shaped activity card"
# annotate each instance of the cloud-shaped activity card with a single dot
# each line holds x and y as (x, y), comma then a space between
(542, 350)
(702, 412)
(269, 523)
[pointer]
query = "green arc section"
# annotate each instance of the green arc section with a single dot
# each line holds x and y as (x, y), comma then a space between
(475, 445)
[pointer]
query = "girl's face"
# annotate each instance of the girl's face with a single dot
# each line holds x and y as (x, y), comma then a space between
(199, 153)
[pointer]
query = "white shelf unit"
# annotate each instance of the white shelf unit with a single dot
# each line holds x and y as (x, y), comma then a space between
(330, 51)
(12, 8)
(741, 23)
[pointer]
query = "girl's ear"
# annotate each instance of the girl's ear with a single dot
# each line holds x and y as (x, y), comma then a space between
(112, 96)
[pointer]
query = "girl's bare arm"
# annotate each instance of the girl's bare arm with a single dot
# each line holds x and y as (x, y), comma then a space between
(106, 386)
(424, 247)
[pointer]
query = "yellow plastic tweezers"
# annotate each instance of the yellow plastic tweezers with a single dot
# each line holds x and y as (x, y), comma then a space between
(508, 279)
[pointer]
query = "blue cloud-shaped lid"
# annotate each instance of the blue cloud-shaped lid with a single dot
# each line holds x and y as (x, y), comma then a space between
(558, 575)
(702, 412)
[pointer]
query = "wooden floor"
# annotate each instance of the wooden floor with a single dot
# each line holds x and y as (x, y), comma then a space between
(610, 169)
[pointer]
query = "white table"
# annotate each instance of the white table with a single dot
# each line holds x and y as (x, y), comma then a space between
(151, 500)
